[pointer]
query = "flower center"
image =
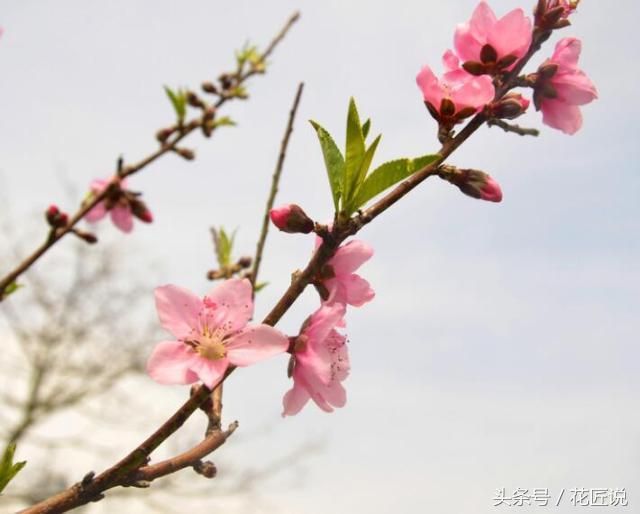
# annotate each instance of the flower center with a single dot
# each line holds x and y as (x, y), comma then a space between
(211, 347)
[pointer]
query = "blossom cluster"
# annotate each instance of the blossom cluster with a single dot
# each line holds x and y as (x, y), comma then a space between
(213, 333)
(488, 49)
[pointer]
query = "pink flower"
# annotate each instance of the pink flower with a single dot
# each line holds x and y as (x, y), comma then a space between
(457, 95)
(343, 285)
(291, 219)
(121, 203)
(211, 334)
(320, 363)
(496, 44)
(561, 88)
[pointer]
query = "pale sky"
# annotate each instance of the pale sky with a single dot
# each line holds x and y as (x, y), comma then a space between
(501, 348)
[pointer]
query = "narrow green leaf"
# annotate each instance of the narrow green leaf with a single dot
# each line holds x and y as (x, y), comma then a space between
(364, 169)
(388, 174)
(179, 102)
(333, 160)
(11, 288)
(9, 469)
(225, 121)
(260, 286)
(354, 153)
(365, 128)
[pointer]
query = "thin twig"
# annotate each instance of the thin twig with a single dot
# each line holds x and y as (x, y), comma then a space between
(512, 127)
(274, 186)
(121, 172)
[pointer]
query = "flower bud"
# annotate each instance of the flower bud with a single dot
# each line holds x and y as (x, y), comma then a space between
(55, 218)
(510, 106)
(163, 134)
(87, 237)
(209, 87)
(473, 183)
(140, 210)
(291, 219)
(185, 153)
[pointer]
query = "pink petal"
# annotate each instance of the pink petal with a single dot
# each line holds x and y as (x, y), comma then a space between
(561, 116)
(97, 213)
(210, 372)
(98, 185)
(432, 90)
(178, 310)
(351, 256)
(254, 344)
(357, 290)
(476, 93)
(450, 61)
(482, 21)
(511, 35)
(574, 88)
(336, 395)
(323, 321)
(122, 218)
(233, 298)
(294, 400)
(170, 363)
(467, 46)
(315, 363)
(567, 52)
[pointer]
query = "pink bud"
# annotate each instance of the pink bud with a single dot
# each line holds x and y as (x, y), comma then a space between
(291, 219)
(473, 183)
(55, 218)
(491, 191)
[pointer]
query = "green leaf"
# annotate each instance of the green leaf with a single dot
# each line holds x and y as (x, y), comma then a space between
(365, 128)
(260, 286)
(354, 154)
(388, 174)
(9, 469)
(11, 288)
(225, 121)
(334, 162)
(223, 246)
(364, 169)
(179, 102)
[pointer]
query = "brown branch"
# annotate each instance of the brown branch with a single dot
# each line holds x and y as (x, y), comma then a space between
(512, 127)
(71, 497)
(121, 172)
(190, 458)
(274, 186)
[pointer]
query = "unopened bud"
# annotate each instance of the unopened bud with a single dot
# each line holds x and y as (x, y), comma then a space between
(163, 134)
(193, 100)
(473, 183)
(185, 153)
(291, 219)
(87, 237)
(209, 87)
(510, 106)
(55, 217)
(140, 210)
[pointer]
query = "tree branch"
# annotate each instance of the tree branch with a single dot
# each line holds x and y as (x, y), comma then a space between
(183, 130)
(274, 187)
